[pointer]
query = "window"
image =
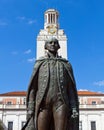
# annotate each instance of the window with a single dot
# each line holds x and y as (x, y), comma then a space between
(93, 102)
(93, 125)
(1, 102)
(79, 101)
(48, 18)
(23, 123)
(10, 125)
(9, 103)
(24, 101)
(80, 125)
(102, 102)
(53, 16)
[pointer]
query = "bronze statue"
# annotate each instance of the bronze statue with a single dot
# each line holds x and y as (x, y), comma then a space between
(52, 100)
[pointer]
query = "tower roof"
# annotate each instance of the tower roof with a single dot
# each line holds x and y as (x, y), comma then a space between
(51, 10)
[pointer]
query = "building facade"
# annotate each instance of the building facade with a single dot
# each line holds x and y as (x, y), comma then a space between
(13, 110)
(91, 104)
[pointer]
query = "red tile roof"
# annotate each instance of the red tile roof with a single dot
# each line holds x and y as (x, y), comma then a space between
(89, 93)
(80, 93)
(16, 93)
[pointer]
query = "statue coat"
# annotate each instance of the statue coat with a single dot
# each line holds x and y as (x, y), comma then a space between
(70, 99)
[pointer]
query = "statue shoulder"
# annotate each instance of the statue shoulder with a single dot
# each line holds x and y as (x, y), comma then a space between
(69, 66)
(42, 58)
(38, 62)
(66, 63)
(62, 59)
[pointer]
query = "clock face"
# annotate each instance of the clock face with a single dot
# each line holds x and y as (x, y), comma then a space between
(52, 29)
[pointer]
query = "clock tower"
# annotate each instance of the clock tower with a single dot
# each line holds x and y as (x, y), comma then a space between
(51, 29)
(51, 21)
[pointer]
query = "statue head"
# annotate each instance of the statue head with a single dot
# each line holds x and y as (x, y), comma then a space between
(52, 45)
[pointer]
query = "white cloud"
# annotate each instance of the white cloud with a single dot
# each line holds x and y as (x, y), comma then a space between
(31, 60)
(21, 18)
(99, 83)
(14, 52)
(2, 23)
(27, 51)
(31, 21)
(83, 90)
(26, 20)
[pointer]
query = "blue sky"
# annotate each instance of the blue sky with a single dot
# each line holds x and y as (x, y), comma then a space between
(20, 23)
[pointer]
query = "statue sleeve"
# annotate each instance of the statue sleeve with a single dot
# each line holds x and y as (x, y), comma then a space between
(33, 86)
(73, 98)
(72, 90)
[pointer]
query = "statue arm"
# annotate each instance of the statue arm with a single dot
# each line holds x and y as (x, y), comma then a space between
(73, 97)
(31, 104)
(73, 100)
(32, 89)
(72, 92)
(33, 85)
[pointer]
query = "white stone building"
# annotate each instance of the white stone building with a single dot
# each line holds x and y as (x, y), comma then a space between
(91, 110)
(13, 110)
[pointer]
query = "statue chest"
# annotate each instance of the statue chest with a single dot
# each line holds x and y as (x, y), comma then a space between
(48, 74)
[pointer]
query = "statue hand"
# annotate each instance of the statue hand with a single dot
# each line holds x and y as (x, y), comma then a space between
(74, 113)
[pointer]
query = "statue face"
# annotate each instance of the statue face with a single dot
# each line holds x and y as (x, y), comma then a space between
(52, 46)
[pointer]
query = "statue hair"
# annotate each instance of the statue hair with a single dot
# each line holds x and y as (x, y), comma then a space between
(50, 40)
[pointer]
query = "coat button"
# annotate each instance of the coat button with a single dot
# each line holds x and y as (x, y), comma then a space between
(62, 86)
